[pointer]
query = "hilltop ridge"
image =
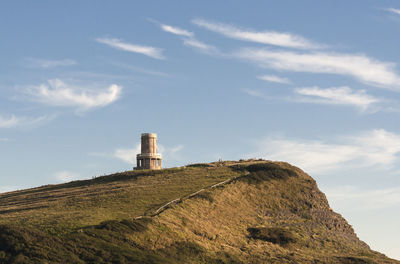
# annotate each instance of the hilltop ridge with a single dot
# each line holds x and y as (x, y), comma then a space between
(252, 211)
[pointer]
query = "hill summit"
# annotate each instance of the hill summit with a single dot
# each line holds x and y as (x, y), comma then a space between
(251, 211)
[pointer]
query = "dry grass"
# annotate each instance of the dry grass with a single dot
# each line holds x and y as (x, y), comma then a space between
(270, 212)
(59, 209)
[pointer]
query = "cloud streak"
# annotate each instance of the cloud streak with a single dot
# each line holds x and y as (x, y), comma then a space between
(127, 155)
(393, 10)
(372, 148)
(356, 198)
(8, 122)
(17, 121)
(194, 43)
(57, 93)
(337, 96)
(287, 40)
(360, 67)
(256, 93)
(176, 31)
(188, 38)
(153, 52)
(43, 63)
(67, 176)
(275, 79)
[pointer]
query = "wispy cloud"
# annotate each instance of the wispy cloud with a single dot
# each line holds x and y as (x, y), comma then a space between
(4, 139)
(373, 148)
(172, 155)
(43, 63)
(256, 93)
(337, 95)
(8, 122)
(275, 79)
(67, 176)
(287, 40)
(56, 92)
(140, 70)
(152, 52)
(176, 31)
(127, 155)
(355, 198)
(194, 43)
(22, 121)
(188, 38)
(393, 10)
(176, 149)
(361, 67)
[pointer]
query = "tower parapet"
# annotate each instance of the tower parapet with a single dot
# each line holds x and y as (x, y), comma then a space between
(149, 158)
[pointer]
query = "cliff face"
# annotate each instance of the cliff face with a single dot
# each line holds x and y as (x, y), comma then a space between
(245, 212)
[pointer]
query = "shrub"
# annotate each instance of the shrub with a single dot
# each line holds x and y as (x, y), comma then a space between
(125, 226)
(354, 260)
(274, 235)
(200, 165)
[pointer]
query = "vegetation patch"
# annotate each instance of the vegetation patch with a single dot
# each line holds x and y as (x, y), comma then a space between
(260, 172)
(354, 260)
(126, 226)
(274, 235)
(200, 165)
(190, 252)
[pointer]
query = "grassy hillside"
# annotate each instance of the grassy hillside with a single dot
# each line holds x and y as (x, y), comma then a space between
(231, 212)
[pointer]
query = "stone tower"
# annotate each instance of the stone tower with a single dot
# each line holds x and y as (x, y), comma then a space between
(149, 158)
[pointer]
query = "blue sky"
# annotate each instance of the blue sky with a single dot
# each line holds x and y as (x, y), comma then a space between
(314, 83)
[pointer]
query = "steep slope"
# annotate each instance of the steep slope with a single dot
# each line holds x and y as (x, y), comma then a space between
(232, 212)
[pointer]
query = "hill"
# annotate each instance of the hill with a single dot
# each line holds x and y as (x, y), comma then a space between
(230, 212)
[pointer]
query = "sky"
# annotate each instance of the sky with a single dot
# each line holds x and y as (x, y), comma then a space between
(314, 83)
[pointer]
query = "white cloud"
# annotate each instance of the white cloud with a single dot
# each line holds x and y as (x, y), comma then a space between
(393, 10)
(334, 96)
(58, 93)
(265, 37)
(4, 139)
(355, 198)
(153, 52)
(43, 63)
(176, 30)
(8, 122)
(172, 155)
(361, 67)
(372, 148)
(274, 78)
(128, 155)
(256, 93)
(67, 176)
(192, 42)
(188, 38)
(337, 95)
(139, 69)
(22, 121)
